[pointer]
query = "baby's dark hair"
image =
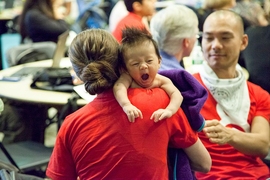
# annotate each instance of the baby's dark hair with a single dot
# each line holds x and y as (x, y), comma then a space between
(133, 37)
(94, 57)
(129, 4)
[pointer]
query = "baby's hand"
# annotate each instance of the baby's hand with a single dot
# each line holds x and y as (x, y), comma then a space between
(161, 114)
(132, 112)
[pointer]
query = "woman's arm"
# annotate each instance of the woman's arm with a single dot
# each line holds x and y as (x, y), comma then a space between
(199, 157)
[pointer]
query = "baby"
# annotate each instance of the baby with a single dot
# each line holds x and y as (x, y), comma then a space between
(140, 60)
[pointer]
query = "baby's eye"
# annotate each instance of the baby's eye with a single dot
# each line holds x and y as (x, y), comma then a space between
(135, 64)
(149, 61)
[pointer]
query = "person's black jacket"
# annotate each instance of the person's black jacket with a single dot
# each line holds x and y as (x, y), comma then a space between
(40, 27)
(257, 56)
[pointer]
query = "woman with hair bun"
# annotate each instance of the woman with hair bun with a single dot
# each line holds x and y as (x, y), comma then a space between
(98, 142)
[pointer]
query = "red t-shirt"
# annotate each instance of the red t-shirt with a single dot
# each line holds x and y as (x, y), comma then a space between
(98, 141)
(130, 20)
(227, 162)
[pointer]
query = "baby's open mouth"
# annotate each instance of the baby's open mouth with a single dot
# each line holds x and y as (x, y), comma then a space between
(145, 77)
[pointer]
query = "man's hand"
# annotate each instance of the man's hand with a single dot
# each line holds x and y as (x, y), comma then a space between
(217, 133)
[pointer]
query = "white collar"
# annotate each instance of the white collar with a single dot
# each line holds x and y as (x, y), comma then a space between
(233, 102)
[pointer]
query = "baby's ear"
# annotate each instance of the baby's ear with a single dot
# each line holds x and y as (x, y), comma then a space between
(159, 62)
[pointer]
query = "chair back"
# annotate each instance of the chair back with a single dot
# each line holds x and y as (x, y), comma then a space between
(25, 53)
(25, 155)
(11, 160)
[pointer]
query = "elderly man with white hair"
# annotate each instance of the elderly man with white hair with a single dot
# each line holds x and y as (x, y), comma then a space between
(175, 29)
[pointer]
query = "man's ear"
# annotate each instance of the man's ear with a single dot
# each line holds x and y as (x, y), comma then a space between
(137, 6)
(186, 42)
(244, 42)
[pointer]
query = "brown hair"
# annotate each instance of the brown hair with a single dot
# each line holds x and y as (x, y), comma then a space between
(94, 57)
(217, 4)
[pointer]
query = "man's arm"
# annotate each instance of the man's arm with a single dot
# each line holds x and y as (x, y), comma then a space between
(254, 143)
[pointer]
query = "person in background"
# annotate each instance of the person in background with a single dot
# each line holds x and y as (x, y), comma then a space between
(1, 106)
(71, 11)
(251, 11)
(22, 121)
(266, 8)
(11, 124)
(237, 112)
(140, 61)
(210, 6)
(175, 38)
(137, 10)
(108, 6)
(42, 20)
(119, 11)
(218, 4)
(190, 3)
(256, 56)
(98, 142)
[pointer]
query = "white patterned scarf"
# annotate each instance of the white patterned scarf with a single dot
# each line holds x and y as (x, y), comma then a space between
(233, 102)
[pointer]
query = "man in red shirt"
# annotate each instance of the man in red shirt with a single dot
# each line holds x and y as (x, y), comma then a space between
(237, 112)
(137, 10)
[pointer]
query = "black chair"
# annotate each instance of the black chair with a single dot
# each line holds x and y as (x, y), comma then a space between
(25, 53)
(26, 156)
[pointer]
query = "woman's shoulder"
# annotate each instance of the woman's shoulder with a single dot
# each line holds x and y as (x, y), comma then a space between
(34, 11)
(33, 14)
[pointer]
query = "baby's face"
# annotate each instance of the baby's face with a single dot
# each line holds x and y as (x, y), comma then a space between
(142, 64)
